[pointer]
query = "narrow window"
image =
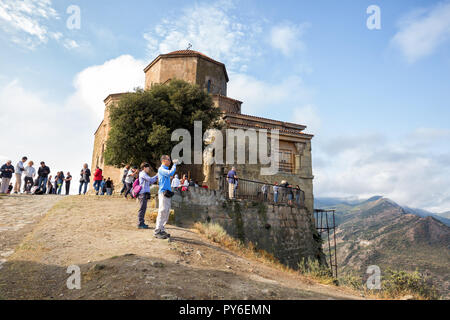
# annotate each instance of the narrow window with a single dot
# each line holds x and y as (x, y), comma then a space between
(209, 86)
(102, 154)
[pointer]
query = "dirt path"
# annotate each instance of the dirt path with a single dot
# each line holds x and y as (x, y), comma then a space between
(18, 215)
(118, 261)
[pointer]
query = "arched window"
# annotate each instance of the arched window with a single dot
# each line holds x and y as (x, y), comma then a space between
(209, 86)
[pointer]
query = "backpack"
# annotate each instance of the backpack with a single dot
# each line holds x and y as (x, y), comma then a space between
(136, 188)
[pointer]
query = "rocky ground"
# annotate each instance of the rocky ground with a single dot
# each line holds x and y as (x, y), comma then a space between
(41, 236)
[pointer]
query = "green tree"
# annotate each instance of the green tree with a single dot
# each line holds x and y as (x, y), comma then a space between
(143, 121)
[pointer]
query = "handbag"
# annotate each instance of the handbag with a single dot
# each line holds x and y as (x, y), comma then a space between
(168, 194)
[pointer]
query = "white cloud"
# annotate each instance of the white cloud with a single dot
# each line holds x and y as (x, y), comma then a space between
(28, 23)
(62, 134)
(262, 97)
(44, 130)
(95, 83)
(423, 31)
(286, 37)
(308, 115)
(56, 35)
(70, 44)
(26, 20)
(211, 29)
(371, 164)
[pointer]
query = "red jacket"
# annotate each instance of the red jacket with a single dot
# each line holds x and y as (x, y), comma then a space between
(98, 175)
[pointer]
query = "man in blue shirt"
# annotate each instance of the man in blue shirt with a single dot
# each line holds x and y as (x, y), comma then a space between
(231, 176)
(164, 195)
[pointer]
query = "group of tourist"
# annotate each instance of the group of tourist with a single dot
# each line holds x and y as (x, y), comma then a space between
(33, 183)
(166, 178)
(185, 183)
(283, 192)
(130, 174)
(102, 185)
(42, 182)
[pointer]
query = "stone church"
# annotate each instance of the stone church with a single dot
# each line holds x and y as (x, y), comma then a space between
(194, 67)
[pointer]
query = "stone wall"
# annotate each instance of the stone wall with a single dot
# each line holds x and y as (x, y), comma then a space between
(286, 232)
(207, 70)
(98, 154)
(195, 70)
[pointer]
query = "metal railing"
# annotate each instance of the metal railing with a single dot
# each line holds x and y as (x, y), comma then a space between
(326, 226)
(253, 190)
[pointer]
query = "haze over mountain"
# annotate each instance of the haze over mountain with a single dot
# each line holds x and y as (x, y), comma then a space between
(378, 231)
(325, 202)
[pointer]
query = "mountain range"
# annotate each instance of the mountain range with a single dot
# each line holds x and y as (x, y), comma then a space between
(378, 231)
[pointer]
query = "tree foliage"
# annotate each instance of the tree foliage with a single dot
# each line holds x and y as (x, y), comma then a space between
(143, 121)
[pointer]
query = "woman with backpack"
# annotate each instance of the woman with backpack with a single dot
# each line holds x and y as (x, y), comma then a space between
(142, 190)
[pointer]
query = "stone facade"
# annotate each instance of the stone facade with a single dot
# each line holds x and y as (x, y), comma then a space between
(101, 136)
(286, 232)
(190, 66)
(196, 68)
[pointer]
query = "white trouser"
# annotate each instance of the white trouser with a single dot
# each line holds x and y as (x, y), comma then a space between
(163, 212)
(231, 187)
(5, 185)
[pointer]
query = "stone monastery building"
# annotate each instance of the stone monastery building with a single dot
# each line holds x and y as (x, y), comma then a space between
(195, 67)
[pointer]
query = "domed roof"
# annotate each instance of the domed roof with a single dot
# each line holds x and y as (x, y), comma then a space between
(187, 53)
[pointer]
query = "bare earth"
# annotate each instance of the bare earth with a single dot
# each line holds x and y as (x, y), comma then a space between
(40, 236)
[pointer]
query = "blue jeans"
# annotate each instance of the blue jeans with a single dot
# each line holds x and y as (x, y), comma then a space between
(59, 188)
(85, 187)
(124, 188)
(275, 197)
(42, 184)
(97, 185)
(142, 208)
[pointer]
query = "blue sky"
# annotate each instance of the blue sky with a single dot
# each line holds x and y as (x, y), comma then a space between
(376, 100)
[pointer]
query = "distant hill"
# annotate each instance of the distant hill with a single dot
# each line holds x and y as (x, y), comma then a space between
(444, 214)
(424, 213)
(328, 202)
(380, 232)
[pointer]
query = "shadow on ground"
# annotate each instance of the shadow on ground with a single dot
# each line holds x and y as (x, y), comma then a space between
(135, 277)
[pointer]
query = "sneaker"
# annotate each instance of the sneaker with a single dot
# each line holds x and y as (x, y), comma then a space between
(165, 233)
(143, 226)
(161, 235)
